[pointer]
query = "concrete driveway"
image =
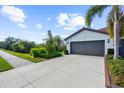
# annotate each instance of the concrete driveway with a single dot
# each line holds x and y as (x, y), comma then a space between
(71, 71)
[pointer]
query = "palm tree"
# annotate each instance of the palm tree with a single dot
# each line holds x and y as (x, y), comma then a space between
(115, 20)
(111, 25)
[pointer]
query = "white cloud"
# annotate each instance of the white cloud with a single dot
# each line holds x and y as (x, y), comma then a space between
(39, 26)
(49, 18)
(70, 21)
(42, 34)
(22, 25)
(69, 28)
(14, 14)
(63, 36)
(62, 18)
(92, 25)
(3, 37)
(27, 32)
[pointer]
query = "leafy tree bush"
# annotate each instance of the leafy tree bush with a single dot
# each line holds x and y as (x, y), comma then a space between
(49, 44)
(23, 46)
(1, 44)
(17, 45)
(7, 44)
(59, 43)
(39, 45)
(54, 47)
(54, 43)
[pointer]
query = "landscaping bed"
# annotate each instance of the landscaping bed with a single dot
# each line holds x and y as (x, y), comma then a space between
(43, 52)
(4, 65)
(114, 72)
(54, 46)
(25, 56)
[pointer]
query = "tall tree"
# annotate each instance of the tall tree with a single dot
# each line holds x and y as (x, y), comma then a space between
(50, 42)
(54, 43)
(114, 22)
(8, 42)
(59, 43)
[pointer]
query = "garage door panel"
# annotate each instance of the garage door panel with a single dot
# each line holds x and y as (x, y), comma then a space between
(88, 48)
(77, 48)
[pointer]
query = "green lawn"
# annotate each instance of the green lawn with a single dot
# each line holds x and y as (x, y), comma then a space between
(4, 65)
(25, 56)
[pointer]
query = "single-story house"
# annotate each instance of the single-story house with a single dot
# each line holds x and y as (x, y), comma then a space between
(89, 41)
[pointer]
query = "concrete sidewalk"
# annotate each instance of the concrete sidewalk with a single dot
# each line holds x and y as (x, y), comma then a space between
(14, 60)
(70, 71)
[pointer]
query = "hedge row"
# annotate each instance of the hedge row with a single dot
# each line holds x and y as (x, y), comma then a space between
(42, 52)
(116, 68)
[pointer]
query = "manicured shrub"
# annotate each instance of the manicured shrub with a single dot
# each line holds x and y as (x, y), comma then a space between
(116, 68)
(66, 51)
(34, 52)
(39, 52)
(54, 54)
(43, 52)
(110, 51)
(109, 57)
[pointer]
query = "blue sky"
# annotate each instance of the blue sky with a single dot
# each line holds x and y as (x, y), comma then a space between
(33, 22)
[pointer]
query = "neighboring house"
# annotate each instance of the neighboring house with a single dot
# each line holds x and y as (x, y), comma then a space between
(88, 41)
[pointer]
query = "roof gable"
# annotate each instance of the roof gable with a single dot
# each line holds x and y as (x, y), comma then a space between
(89, 29)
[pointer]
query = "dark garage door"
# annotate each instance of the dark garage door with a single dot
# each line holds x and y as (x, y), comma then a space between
(88, 48)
